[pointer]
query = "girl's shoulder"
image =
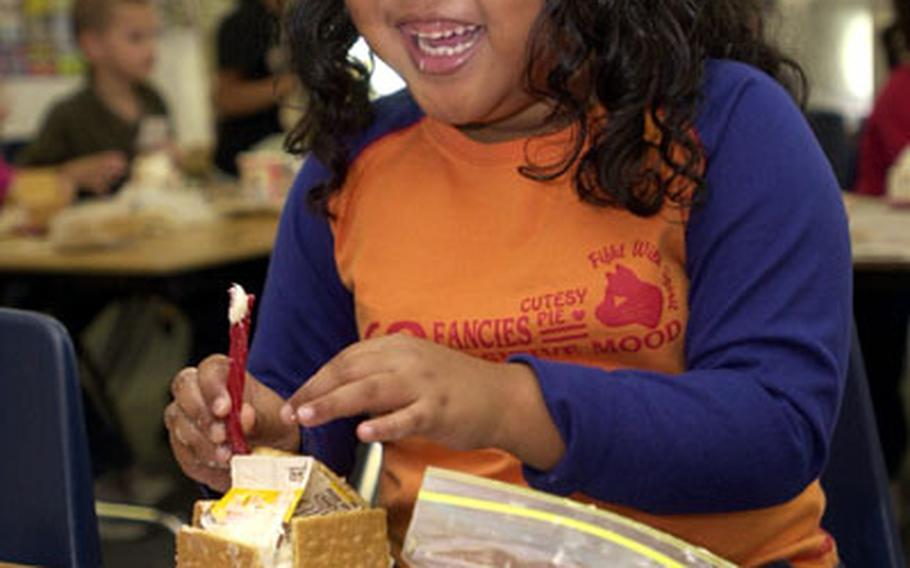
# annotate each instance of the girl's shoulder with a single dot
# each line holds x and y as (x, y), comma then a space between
(735, 92)
(391, 113)
(723, 76)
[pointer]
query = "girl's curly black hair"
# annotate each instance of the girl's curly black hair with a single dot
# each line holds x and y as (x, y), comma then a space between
(641, 60)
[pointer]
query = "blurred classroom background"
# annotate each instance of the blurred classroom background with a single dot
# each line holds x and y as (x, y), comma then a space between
(40, 62)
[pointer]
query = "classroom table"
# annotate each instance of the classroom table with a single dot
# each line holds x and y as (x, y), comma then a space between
(180, 265)
(183, 265)
(225, 241)
(880, 239)
(879, 233)
(191, 268)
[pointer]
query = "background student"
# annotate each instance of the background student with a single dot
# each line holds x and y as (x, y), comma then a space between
(93, 135)
(251, 80)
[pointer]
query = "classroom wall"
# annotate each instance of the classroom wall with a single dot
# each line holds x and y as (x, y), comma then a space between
(837, 42)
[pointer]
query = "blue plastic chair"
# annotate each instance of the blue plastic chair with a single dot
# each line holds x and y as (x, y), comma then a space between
(47, 514)
(859, 513)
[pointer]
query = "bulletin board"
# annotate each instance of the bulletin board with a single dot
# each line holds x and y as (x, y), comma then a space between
(36, 39)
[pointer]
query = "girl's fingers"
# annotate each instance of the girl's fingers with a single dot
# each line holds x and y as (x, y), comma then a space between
(188, 396)
(355, 363)
(217, 477)
(247, 418)
(191, 443)
(212, 373)
(218, 433)
(172, 414)
(374, 395)
(412, 420)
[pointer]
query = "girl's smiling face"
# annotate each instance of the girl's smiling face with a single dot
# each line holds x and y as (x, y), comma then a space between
(464, 60)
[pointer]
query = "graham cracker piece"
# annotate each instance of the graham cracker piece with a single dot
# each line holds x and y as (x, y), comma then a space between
(353, 539)
(197, 548)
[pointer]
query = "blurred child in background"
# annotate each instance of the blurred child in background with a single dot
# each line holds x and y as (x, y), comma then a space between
(93, 135)
(251, 80)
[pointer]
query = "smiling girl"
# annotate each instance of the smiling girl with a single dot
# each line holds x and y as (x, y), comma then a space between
(592, 248)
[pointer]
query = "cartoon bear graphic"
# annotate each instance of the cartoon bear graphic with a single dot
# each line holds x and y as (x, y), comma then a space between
(628, 300)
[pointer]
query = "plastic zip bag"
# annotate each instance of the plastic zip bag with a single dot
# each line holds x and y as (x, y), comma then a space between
(462, 520)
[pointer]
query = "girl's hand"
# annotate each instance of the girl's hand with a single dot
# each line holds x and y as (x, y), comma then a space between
(197, 421)
(413, 387)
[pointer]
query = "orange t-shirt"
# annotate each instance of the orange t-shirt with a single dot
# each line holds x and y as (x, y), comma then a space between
(567, 298)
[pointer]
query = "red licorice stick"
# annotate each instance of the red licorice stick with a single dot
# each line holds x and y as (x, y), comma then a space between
(240, 336)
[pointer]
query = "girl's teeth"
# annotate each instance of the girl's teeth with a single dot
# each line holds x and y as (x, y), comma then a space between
(457, 31)
(425, 47)
(425, 41)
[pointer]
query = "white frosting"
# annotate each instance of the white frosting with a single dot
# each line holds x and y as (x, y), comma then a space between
(260, 528)
(254, 526)
(240, 305)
